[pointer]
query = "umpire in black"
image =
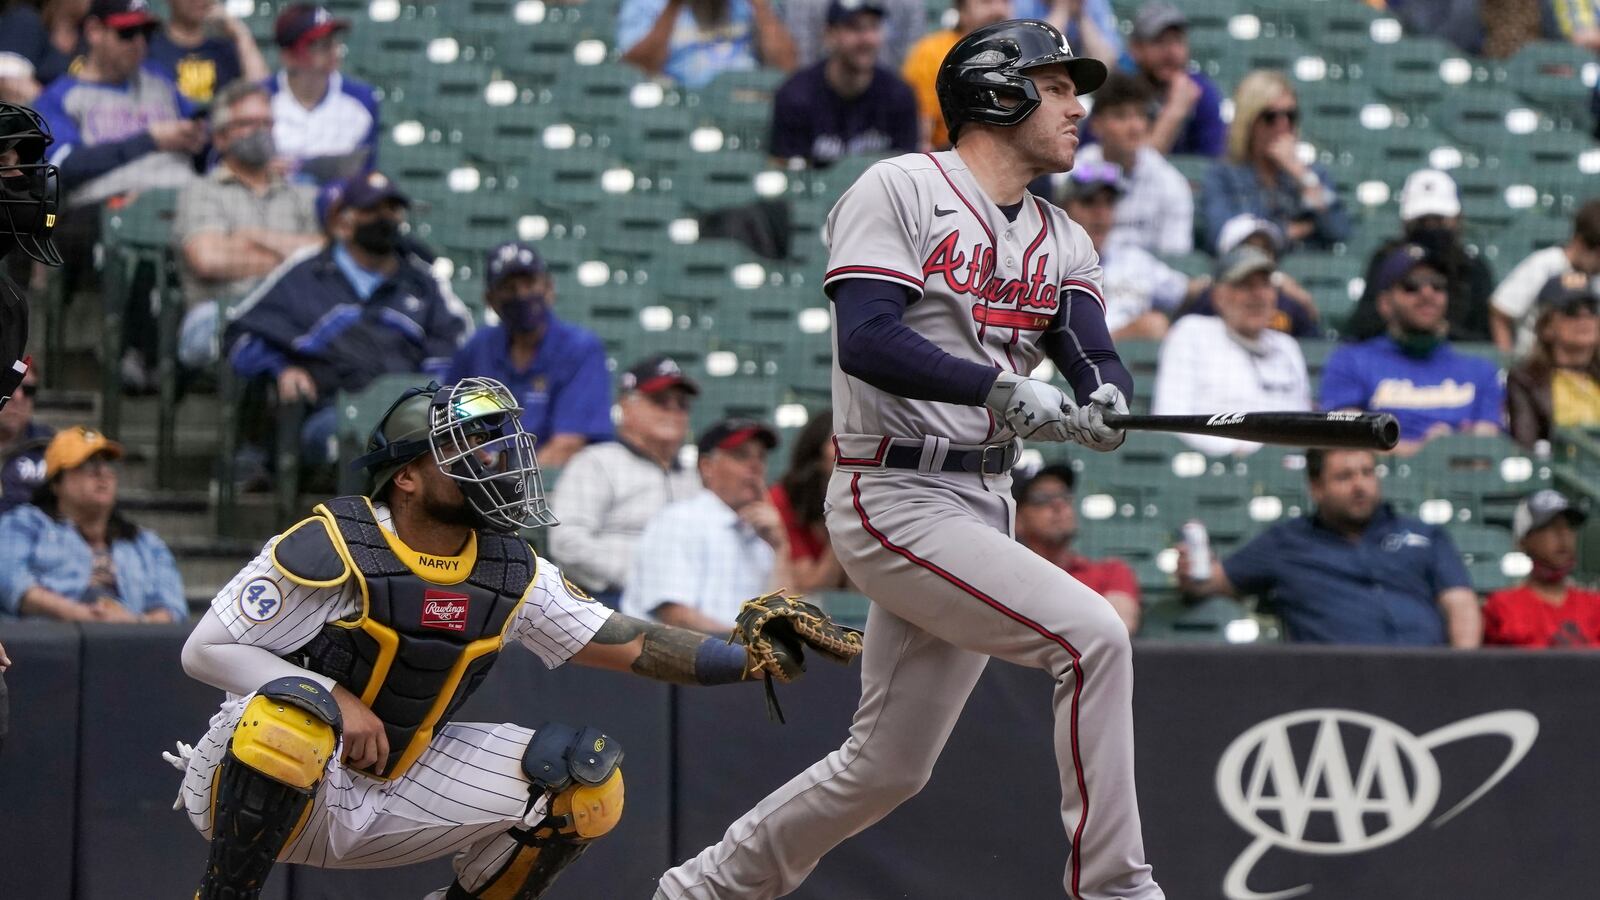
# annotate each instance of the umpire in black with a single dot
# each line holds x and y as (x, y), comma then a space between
(28, 198)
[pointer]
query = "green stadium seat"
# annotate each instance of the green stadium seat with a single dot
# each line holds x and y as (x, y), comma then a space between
(1408, 70)
(1551, 75)
(1328, 278)
(1478, 117)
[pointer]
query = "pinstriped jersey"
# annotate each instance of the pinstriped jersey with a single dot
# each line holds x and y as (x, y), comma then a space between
(264, 608)
(986, 288)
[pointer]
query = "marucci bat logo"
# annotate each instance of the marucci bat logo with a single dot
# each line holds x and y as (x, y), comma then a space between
(1289, 782)
(1233, 418)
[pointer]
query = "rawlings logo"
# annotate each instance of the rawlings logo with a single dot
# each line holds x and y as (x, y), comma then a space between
(446, 611)
(1233, 418)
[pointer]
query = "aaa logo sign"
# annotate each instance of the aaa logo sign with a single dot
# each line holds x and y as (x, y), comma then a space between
(1365, 782)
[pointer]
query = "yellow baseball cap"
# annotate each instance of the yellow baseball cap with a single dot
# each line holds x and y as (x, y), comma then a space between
(72, 447)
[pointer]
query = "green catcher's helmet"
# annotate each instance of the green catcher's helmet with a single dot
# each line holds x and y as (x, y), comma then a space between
(473, 429)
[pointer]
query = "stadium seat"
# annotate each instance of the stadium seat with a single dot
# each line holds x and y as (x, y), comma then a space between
(1408, 70)
(1557, 76)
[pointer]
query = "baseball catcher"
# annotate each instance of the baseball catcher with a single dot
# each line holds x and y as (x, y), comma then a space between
(348, 644)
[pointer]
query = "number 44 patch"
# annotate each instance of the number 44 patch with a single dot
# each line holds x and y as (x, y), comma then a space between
(260, 600)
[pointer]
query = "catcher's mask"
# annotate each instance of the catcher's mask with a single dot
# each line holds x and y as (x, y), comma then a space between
(30, 188)
(473, 429)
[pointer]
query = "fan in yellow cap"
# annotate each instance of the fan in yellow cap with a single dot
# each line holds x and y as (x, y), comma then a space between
(73, 447)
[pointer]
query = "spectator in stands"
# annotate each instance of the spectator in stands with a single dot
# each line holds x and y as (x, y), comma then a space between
(847, 104)
(37, 46)
(1157, 212)
(334, 320)
(555, 369)
(22, 443)
(1430, 216)
(72, 555)
(1140, 290)
(1512, 306)
(118, 127)
(1352, 571)
(700, 559)
(1458, 21)
(1412, 370)
(1090, 26)
(202, 49)
(325, 123)
(1189, 120)
(607, 492)
(694, 41)
(921, 69)
(1233, 360)
(1297, 313)
(798, 497)
(1558, 384)
(237, 224)
(806, 20)
(1047, 524)
(1547, 609)
(1263, 174)
(1511, 24)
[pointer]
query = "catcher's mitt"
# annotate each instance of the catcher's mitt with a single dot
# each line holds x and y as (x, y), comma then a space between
(776, 630)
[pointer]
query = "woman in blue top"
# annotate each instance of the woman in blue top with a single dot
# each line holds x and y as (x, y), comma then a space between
(71, 555)
(1263, 175)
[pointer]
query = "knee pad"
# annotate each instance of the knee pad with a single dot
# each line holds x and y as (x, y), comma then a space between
(265, 783)
(578, 771)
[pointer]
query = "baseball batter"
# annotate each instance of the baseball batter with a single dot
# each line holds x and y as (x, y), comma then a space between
(950, 283)
(350, 641)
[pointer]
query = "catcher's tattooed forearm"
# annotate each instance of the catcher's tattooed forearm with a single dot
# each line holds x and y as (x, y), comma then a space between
(675, 655)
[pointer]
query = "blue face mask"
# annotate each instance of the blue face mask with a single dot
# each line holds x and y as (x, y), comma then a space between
(525, 313)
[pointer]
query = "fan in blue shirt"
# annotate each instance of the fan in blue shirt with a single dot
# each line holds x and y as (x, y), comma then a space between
(556, 370)
(1352, 572)
(1412, 371)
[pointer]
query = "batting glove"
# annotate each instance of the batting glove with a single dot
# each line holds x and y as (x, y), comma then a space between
(1089, 429)
(1034, 409)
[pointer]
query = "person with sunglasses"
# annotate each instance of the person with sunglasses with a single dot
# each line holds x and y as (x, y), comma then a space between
(118, 127)
(22, 443)
(1412, 370)
(608, 491)
(72, 555)
(1263, 174)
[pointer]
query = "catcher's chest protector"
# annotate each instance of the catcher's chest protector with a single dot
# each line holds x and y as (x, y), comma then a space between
(427, 633)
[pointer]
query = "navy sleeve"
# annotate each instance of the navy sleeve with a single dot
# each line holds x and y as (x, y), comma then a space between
(880, 349)
(1080, 345)
(791, 134)
(1253, 568)
(1448, 569)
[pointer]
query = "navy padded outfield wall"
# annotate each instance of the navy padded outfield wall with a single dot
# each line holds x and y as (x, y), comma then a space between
(1442, 774)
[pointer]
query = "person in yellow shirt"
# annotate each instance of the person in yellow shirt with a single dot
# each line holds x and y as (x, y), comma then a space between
(1558, 385)
(922, 62)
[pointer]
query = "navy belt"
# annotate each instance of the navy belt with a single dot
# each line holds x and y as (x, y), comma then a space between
(995, 459)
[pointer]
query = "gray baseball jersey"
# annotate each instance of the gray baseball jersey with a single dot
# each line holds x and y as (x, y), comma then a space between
(950, 586)
(988, 288)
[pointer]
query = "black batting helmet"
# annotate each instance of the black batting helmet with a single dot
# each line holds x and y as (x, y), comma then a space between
(30, 187)
(982, 77)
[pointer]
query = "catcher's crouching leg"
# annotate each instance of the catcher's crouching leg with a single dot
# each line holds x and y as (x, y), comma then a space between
(579, 771)
(276, 759)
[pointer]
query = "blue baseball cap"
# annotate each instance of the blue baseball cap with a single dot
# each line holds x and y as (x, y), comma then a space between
(302, 23)
(512, 258)
(1399, 263)
(367, 191)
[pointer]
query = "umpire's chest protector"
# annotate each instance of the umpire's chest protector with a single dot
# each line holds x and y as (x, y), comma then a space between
(428, 629)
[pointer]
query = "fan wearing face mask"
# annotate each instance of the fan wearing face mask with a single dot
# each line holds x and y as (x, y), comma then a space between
(333, 318)
(240, 222)
(556, 370)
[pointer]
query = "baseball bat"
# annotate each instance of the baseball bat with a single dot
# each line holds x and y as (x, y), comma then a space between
(1361, 431)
